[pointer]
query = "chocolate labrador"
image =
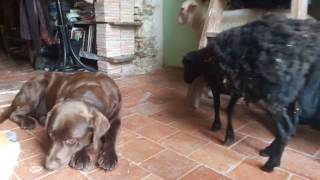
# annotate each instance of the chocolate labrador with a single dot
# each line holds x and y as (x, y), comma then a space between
(81, 114)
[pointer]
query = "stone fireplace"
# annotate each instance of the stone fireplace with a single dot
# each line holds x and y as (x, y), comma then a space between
(129, 36)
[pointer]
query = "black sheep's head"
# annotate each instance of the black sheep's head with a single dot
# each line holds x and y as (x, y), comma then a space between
(192, 66)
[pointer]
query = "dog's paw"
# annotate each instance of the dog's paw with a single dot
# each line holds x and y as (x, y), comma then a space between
(81, 161)
(27, 123)
(107, 160)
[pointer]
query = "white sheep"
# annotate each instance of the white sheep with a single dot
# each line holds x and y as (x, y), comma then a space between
(194, 13)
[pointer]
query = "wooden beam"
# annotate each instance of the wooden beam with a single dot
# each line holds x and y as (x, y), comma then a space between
(299, 9)
(215, 13)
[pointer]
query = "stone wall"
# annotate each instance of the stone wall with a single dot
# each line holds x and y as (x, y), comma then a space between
(148, 41)
(149, 37)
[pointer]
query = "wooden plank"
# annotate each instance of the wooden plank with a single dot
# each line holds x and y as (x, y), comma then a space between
(215, 13)
(299, 9)
(118, 59)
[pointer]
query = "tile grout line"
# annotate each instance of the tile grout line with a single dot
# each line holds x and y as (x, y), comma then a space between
(164, 149)
(136, 164)
(85, 175)
(169, 149)
(18, 177)
(302, 153)
(28, 139)
(242, 127)
(146, 176)
(214, 170)
(233, 167)
(208, 143)
(317, 154)
(152, 174)
(166, 138)
(41, 177)
(290, 176)
(30, 157)
(238, 142)
(150, 157)
(188, 172)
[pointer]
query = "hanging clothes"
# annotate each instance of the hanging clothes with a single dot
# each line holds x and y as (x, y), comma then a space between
(45, 37)
(24, 26)
(33, 23)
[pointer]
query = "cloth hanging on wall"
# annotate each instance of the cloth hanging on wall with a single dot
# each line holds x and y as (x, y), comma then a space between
(24, 27)
(33, 23)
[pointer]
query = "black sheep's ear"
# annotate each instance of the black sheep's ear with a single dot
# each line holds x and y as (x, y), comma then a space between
(191, 56)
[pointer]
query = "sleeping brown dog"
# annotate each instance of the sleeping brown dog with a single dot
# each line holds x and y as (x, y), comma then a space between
(81, 113)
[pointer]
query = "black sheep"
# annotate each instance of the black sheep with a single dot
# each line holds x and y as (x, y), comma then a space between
(277, 61)
(195, 65)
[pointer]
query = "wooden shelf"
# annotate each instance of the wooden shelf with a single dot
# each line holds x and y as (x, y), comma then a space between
(128, 24)
(118, 59)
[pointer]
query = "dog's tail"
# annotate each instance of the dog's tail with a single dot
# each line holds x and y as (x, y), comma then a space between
(6, 114)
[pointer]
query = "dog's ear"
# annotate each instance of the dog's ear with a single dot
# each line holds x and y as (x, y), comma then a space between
(51, 113)
(100, 125)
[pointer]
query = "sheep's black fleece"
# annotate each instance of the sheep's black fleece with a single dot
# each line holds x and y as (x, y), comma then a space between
(275, 60)
(268, 59)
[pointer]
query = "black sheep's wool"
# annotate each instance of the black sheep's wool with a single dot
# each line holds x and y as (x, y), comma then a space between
(268, 59)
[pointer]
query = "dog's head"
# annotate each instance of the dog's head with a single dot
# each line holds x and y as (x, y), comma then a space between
(71, 126)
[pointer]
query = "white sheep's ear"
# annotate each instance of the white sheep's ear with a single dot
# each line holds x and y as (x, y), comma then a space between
(192, 8)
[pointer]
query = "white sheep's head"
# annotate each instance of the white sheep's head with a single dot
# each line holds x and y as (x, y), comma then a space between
(188, 10)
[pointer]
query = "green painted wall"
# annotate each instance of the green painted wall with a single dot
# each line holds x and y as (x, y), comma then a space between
(178, 40)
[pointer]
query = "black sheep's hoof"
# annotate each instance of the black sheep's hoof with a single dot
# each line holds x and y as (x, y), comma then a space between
(81, 161)
(228, 141)
(265, 152)
(215, 127)
(269, 166)
(107, 160)
(27, 123)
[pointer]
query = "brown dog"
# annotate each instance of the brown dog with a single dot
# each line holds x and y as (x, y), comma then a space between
(81, 113)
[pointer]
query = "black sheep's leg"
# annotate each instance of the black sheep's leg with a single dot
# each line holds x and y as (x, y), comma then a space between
(229, 138)
(285, 126)
(294, 111)
(216, 103)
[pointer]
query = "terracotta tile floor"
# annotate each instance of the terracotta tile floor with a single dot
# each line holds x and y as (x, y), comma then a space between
(162, 139)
